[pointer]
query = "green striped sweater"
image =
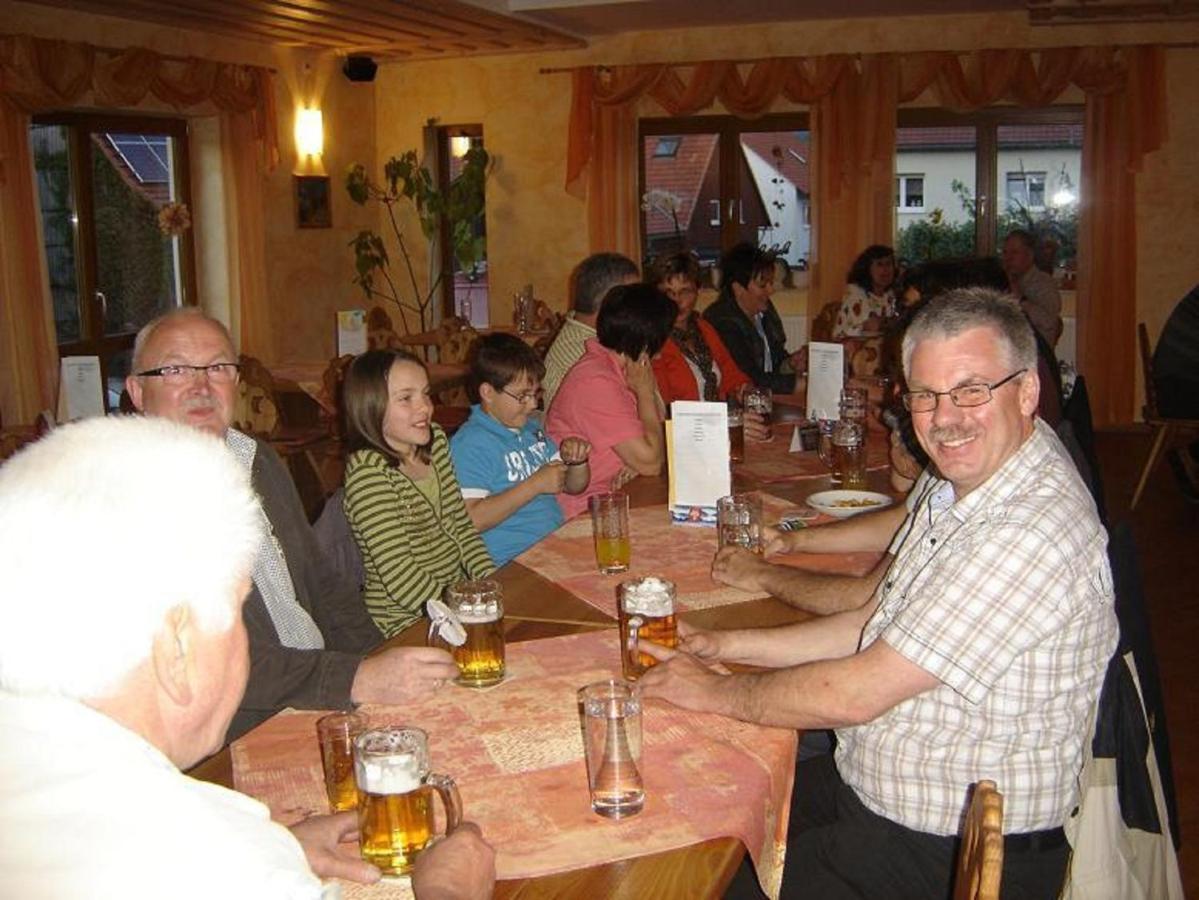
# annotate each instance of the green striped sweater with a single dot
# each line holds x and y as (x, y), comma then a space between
(409, 552)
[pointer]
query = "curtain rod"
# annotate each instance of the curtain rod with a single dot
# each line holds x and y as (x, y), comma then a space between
(171, 57)
(560, 70)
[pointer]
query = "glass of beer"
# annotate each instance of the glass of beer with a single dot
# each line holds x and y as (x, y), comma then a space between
(395, 802)
(739, 522)
(849, 455)
(336, 733)
(736, 432)
(611, 713)
(853, 403)
(610, 524)
(645, 613)
(479, 607)
(761, 401)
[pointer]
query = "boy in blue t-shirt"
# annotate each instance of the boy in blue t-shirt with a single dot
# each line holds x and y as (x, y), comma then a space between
(508, 467)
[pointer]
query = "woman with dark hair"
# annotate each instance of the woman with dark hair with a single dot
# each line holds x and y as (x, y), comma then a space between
(609, 399)
(869, 297)
(694, 364)
(402, 500)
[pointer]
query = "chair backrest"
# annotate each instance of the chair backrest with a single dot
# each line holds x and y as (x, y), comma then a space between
(822, 325)
(256, 410)
(980, 861)
(1150, 410)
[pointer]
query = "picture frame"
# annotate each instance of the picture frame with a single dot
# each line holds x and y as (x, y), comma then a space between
(313, 201)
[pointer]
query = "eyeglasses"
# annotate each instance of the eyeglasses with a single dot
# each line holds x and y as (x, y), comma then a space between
(966, 395)
(218, 373)
(532, 397)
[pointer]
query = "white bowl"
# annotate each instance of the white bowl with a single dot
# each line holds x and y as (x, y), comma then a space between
(843, 504)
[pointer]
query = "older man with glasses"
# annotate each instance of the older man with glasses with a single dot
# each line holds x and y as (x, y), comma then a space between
(978, 651)
(309, 630)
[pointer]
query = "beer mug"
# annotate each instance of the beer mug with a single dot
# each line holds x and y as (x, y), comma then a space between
(761, 401)
(610, 525)
(739, 522)
(611, 713)
(470, 625)
(336, 733)
(849, 455)
(395, 788)
(736, 433)
(853, 403)
(645, 613)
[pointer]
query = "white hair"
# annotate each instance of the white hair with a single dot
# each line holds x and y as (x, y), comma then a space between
(106, 525)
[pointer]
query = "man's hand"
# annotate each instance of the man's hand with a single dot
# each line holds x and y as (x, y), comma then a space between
(682, 679)
(756, 427)
(737, 567)
(775, 541)
(550, 478)
(699, 642)
(320, 836)
(401, 674)
(460, 866)
(574, 450)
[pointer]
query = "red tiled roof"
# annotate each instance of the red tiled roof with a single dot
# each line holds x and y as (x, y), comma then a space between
(783, 146)
(1009, 136)
(681, 174)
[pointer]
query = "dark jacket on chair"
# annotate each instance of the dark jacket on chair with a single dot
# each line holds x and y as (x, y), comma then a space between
(744, 343)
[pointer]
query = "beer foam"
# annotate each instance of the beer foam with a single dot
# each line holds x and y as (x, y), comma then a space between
(396, 774)
(648, 596)
(479, 613)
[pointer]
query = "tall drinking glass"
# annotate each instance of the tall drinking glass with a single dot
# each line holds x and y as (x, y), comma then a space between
(739, 522)
(760, 401)
(610, 525)
(849, 455)
(336, 733)
(612, 748)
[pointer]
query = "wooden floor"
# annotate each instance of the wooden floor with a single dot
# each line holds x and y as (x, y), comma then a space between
(1166, 530)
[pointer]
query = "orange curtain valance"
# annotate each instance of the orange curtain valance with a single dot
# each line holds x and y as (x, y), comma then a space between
(38, 75)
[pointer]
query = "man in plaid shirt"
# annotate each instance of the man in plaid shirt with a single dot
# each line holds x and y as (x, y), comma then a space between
(979, 654)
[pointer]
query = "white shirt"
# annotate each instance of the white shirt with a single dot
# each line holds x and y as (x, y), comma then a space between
(90, 809)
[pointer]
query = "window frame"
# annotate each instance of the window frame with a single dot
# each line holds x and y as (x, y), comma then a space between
(986, 123)
(444, 245)
(901, 183)
(727, 128)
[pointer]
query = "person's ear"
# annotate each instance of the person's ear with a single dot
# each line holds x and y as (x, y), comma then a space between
(1030, 392)
(487, 393)
(172, 654)
(133, 385)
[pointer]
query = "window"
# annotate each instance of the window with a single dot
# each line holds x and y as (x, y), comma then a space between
(725, 180)
(984, 174)
(1026, 189)
(667, 146)
(909, 193)
(462, 243)
(112, 192)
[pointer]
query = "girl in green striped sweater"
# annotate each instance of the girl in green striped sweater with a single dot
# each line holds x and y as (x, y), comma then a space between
(402, 499)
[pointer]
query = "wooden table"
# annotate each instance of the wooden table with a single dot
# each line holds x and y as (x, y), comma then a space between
(537, 608)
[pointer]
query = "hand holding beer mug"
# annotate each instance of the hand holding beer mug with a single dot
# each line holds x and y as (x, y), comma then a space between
(739, 522)
(336, 733)
(612, 747)
(645, 613)
(470, 624)
(395, 809)
(610, 525)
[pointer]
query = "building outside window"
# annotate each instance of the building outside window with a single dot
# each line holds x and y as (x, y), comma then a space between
(1027, 189)
(909, 193)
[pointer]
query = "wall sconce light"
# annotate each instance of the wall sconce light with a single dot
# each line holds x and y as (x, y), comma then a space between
(310, 138)
(459, 145)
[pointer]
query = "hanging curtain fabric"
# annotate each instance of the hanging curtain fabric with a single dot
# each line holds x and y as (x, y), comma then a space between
(39, 75)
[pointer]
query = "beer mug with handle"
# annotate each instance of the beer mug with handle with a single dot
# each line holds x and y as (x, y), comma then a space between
(645, 613)
(470, 624)
(395, 808)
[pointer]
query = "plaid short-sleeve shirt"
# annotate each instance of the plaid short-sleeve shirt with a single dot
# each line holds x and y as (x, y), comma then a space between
(1006, 597)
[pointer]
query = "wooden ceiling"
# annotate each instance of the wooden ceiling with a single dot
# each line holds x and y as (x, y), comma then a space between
(387, 29)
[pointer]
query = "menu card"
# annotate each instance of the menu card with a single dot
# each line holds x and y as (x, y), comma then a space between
(697, 452)
(351, 332)
(79, 390)
(826, 378)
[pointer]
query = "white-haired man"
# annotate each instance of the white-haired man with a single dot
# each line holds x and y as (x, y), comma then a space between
(980, 654)
(113, 677)
(309, 630)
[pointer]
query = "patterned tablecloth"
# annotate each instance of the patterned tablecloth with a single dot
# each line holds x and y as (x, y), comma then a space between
(517, 755)
(680, 553)
(772, 462)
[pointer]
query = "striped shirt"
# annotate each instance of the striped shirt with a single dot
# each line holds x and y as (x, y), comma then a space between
(412, 547)
(564, 352)
(1005, 596)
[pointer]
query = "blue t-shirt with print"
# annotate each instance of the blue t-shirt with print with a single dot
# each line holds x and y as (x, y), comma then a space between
(489, 458)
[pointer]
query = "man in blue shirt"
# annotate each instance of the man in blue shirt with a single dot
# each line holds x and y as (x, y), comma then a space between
(509, 468)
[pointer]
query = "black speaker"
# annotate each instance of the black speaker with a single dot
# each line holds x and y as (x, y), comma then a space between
(360, 68)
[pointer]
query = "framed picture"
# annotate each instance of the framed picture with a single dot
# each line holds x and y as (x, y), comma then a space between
(313, 202)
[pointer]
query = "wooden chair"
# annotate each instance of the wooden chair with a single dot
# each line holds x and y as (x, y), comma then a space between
(256, 410)
(1164, 427)
(980, 861)
(826, 319)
